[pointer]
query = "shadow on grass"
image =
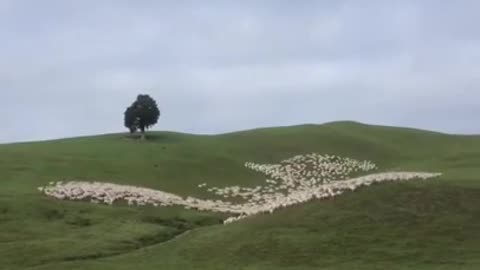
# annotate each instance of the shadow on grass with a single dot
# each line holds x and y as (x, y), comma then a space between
(156, 137)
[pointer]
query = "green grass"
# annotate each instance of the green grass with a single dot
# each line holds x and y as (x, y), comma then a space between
(417, 225)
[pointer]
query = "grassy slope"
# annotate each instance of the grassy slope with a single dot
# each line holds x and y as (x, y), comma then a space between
(427, 225)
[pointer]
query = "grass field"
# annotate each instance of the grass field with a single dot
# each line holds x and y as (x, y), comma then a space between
(417, 225)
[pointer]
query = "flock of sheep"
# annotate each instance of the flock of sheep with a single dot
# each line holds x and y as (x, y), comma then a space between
(296, 180)
(303, 170)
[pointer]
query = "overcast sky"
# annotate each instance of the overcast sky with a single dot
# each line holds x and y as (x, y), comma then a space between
(70, 68)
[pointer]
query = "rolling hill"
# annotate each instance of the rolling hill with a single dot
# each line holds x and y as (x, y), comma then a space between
(415, 225)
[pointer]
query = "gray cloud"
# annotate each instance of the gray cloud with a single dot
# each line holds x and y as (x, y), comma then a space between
(71, 67)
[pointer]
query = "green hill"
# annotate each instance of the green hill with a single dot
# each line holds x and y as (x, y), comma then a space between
(416, 225)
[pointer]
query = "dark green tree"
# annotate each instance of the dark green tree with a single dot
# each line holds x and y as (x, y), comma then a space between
(130, 120)
(141, 115)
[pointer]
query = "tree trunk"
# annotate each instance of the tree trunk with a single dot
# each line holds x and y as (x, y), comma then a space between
(143, 137)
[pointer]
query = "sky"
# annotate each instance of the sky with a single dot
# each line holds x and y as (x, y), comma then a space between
(70, 68)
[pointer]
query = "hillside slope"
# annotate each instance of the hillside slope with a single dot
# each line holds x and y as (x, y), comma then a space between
(421, 225)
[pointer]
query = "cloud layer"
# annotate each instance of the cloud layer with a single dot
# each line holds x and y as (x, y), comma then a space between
(70, 68)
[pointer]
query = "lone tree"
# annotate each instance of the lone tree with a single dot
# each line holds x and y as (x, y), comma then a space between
(141, 115)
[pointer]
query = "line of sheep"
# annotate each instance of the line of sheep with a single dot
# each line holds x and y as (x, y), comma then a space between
(296, 180)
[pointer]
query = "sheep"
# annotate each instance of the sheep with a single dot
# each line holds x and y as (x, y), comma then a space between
(323, 178)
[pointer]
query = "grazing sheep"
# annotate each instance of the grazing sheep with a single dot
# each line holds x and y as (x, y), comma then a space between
(323, 177)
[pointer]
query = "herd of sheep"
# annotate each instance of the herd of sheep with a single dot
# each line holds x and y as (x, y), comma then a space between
(296, 180)
(303, 170)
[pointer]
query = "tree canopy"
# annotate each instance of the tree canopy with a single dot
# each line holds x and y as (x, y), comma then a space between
(142, 114)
